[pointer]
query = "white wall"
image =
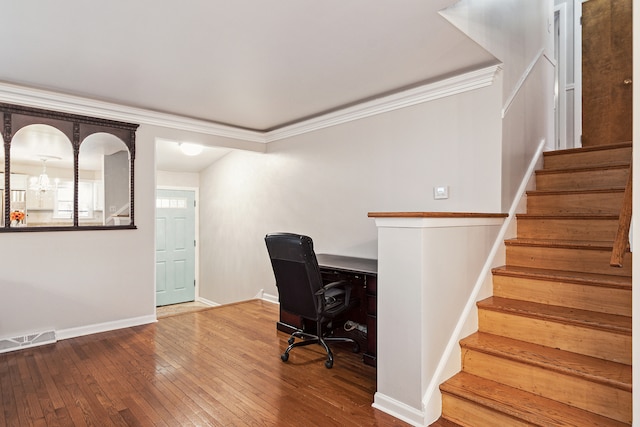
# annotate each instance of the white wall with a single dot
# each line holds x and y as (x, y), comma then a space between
(68, 281)
(78, 282)
(177, 179)
(324, 183)
(520, 34)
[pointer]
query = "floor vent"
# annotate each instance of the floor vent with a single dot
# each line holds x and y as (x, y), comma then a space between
(26, 341)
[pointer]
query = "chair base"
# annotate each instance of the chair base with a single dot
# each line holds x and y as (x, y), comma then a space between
(308, 339)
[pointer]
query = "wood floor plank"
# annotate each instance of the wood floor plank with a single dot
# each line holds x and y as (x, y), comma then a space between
(217, 367)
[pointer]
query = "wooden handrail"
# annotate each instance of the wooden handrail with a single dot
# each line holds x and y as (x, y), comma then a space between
(621, 243)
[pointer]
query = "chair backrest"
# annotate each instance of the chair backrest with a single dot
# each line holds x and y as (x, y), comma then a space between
(296, 271)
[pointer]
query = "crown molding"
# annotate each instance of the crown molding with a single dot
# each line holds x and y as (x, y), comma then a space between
(38, 98)
(428, 92)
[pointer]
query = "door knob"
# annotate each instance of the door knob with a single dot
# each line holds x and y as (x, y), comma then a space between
(627, 81)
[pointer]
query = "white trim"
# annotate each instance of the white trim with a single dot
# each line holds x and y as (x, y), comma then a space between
(38, 98)
(64, 334)
(398, 409)
(432, 389)
(429, 92)
(271, 298)
(561, 67)
(577, 72)
(520, 82)
(207, 302)
(437, 222)
(14, 94)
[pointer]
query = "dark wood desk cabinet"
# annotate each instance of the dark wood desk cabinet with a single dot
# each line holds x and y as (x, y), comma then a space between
(363, 274)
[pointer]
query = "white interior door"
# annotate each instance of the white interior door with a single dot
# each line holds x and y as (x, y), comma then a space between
(175, 246)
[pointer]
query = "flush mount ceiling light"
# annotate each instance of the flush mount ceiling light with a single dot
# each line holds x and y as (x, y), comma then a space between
(190, 149)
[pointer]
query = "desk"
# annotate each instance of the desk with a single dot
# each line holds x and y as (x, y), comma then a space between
(363, 274)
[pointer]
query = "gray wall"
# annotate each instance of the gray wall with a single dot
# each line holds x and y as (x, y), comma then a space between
(324, 183)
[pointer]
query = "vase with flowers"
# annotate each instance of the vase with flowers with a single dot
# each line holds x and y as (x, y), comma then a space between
(17, 218)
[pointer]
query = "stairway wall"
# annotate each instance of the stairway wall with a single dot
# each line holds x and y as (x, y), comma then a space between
(516, 32)
(559, 318)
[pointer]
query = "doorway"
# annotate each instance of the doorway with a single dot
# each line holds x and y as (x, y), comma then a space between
(603, 65)
(175, 246)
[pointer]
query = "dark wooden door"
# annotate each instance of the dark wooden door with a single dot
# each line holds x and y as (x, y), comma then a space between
(606, 72)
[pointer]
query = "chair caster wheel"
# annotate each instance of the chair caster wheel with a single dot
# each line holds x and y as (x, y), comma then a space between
(291, 340)
(284, 357)
(328, 364)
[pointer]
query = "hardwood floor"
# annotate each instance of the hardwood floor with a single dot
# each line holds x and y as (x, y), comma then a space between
(218, 367)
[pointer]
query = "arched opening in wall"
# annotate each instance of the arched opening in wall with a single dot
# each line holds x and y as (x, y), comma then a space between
(43, 188)
(41, 166)
(103, 181)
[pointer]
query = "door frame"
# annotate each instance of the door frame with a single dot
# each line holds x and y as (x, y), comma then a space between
(196, 264)
(577, 72)
(561, 108)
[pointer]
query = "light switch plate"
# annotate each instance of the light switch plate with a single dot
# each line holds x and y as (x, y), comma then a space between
(441, 192)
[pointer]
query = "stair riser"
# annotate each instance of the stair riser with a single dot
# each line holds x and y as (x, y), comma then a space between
(572, 295)
(471, 414)
(568, 259)
(592, 203)
(577, 339)
(582, 180)
(568, 229)
(588, 158)
(575, 391)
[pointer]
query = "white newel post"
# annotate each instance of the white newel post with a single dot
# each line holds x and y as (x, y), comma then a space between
(428, 266)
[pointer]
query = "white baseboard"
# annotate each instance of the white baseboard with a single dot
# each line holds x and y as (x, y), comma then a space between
(271, 298)
(398, 409)
(207, 302)
(64, 334)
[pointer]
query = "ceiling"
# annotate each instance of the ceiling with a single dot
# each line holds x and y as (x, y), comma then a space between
(250, 64)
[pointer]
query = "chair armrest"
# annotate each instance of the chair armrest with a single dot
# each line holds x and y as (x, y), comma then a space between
(344, 284)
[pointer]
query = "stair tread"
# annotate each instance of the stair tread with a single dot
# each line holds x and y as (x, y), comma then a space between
(566, 315)
(580, 191)
(615, 165)
(626, 144)
(607, 280)
(575, 244)
(594, 369)
(536, 410)
(574, 216)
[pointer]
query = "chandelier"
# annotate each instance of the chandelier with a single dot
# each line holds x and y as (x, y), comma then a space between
(41, 183)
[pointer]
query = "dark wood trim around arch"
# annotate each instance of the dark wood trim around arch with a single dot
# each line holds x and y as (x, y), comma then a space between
(77, 128)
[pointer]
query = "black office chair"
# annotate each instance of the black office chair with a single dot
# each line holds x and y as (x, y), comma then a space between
(302, 292)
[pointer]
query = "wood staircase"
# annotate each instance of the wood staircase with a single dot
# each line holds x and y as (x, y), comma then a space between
(554, 342)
